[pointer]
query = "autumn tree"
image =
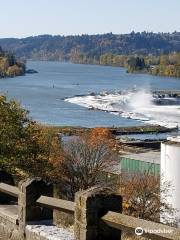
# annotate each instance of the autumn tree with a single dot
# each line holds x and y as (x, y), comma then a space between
(144, 198)
(84, 160)
(10, 66)
(101, 135)
(24, 146)
(164, 60)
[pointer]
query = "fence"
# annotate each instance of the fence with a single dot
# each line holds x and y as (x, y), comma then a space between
(97, 212)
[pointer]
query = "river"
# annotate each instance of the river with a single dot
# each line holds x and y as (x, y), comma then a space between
(49, 94)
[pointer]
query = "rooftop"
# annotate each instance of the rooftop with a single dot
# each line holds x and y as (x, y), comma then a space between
(149, 156)
(173, 140)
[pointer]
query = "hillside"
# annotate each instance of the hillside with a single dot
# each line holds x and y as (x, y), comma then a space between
(89, 48)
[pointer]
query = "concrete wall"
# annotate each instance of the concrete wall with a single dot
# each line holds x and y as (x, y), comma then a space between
(9, 230)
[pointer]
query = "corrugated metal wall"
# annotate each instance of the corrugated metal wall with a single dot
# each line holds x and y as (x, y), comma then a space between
(135, 166)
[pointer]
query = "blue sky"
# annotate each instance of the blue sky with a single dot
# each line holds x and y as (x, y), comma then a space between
(23, 18)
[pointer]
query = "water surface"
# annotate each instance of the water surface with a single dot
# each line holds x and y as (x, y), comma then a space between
(43, 93)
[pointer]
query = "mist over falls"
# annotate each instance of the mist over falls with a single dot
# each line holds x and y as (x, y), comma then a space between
(141, 105)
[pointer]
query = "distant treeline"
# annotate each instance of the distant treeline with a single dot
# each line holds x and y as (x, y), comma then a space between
(163, 65)
(10, 66)
(106, 49)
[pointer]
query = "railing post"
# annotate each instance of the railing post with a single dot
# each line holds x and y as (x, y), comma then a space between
(90, 206)
(30, 191)
(61, 218)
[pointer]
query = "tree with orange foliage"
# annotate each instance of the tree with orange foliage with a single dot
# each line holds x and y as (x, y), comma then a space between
(102, 135)
(83, 163)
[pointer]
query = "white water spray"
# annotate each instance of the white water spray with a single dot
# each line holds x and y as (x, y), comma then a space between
(139, 105)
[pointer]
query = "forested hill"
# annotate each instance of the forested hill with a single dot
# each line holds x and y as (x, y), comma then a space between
(89, 48)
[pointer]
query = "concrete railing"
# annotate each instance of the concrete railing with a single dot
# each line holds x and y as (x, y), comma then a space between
(58, 204)
(9, 190)
(97, 212)
(16, 214)
(151, 230)
(91, 217)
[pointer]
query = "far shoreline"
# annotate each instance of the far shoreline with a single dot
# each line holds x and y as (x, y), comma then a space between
(101, 65)
(73, 130)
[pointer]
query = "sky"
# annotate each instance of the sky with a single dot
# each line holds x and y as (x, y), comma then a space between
(22, 18)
